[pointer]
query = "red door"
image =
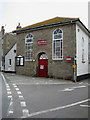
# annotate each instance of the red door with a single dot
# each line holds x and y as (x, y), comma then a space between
(43, 67)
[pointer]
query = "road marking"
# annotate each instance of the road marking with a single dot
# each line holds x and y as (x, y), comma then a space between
(10, 112)
(15, 86)
(19, 92)
(8, 86)
(10, 108)
(8, 89)
(72, 88)
(57, 108)
(3, 78)
(16, 89)
(67, 89)
(21, 97)
(9, 93)
(85, 105)
(25, 113)
(23, 104)
(79, 87)
(10, 96)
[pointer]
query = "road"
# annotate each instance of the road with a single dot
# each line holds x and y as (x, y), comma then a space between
(23, 98)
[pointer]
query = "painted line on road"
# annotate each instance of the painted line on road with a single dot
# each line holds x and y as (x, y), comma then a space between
(72, 88)
(25, 113)
(9, 92)
(46, 83)
(15, 86)
(19, 92)
(8, 89)
(85, 106)
(55, 109)
(16, 89)
(23, 104)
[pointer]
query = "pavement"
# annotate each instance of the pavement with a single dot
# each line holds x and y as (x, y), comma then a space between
(38, 80)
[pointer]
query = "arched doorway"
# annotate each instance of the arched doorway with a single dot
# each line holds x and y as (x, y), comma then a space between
(43, 65)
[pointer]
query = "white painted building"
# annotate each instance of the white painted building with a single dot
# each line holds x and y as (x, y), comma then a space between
(82, 40)
(10, 60)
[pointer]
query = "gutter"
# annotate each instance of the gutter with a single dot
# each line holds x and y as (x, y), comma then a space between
(41, 26)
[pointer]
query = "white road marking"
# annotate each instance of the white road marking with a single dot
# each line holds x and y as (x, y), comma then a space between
(10, 108)
(10, 96)
(10, 112)
(8, 89)
(67, 89)
(18, 92)
(21, 97)
(79, 87)
(25, 113)
(72, 88)
(3, 78)
(9, 93)
(85, 105)
(57, 108)
(8, 86)
(15, 86)
(23, 104)
(17, 89)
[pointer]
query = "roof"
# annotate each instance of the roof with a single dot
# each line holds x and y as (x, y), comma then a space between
(47, 22)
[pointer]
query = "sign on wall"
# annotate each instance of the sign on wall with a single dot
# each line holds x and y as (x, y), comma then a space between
(42, 42)
(68, 58)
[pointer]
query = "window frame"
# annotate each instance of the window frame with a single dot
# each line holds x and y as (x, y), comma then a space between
(29, 51)
(20, 57)
(61, 41)
(83, 50)
(9, 62)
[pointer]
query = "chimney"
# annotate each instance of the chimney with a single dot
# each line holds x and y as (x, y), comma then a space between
(18, 27)
(2, 30)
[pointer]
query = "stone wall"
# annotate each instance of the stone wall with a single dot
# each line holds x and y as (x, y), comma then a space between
(56, 68)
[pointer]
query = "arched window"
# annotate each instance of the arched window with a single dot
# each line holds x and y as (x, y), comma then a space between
(28, 47)
(57, 45)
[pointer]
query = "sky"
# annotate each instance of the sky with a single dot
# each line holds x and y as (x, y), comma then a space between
(28, 12)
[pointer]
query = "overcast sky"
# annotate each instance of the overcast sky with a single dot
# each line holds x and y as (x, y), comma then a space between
(28, 12)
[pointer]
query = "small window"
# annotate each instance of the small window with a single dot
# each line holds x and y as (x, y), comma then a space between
(89, 53)
(83, 51)
(20, 61)
(10, 62)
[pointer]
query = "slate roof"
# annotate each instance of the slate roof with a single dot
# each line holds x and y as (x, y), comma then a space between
(50, 21)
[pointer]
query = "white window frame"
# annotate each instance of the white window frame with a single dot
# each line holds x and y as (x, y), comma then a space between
(83, 50)
(29, 44)
(89, 53)
(61, 40)
(10, 62)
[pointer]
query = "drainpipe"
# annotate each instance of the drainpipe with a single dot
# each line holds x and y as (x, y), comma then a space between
(74, 78)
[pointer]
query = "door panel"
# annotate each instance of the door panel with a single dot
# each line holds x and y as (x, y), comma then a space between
(43, 67)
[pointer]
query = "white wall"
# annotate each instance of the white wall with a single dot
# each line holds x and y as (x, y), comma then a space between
(82, 68)
(10, 55)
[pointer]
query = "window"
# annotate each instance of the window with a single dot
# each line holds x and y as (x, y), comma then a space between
(89, 53)
(19, 61)
(9, 62)
(83, 60)
(28, 47)
(57, 45)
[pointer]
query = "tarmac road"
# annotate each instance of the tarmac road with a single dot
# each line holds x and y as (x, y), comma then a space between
(28, 97)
